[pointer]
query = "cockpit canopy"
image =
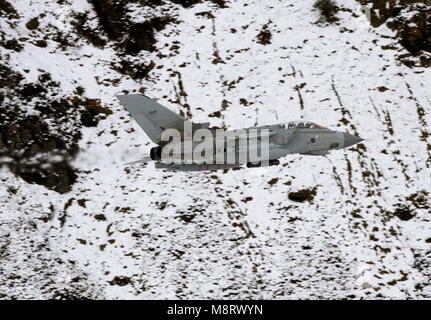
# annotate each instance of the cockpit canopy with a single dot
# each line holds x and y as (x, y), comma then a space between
(302, 125)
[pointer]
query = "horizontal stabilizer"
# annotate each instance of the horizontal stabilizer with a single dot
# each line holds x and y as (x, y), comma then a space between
(143, 160)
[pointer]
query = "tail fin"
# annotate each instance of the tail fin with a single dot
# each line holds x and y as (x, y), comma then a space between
(151, 116)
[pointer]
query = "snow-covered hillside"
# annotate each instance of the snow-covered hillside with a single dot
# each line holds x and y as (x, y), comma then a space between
(76, 223)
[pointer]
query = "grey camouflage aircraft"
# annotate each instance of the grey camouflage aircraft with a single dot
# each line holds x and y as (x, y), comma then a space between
(301, 137)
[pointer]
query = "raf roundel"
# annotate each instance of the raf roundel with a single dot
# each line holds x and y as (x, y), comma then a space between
(313, 140)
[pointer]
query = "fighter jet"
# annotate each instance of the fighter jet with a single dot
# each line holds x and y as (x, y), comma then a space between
(279, 140)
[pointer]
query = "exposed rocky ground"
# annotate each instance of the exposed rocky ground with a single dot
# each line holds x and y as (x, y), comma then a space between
(411, 22)
(75, 223)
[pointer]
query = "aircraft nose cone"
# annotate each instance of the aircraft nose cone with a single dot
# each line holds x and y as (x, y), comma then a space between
(350, 140)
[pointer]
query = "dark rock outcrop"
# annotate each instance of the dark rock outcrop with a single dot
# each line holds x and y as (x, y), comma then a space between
(328, 10)
(37, 143)
(411, 20)
(303, 195)
(404, 213)
(129, 36)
